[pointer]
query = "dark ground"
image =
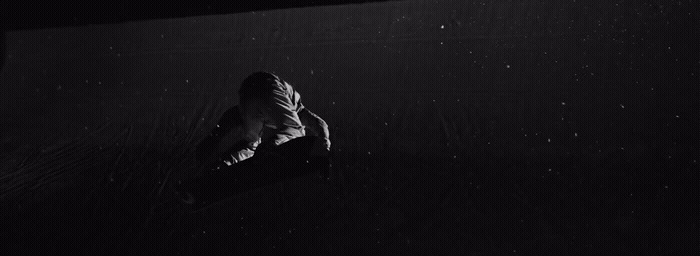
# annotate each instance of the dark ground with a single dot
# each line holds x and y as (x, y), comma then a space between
(109, 193)
(106, 201)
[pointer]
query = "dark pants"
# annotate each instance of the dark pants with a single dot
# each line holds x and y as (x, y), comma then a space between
(287, 161)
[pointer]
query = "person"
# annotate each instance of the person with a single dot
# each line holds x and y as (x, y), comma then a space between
(269, 114)
(269, 137)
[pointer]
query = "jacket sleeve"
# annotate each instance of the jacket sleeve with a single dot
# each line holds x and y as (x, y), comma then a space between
(209, 148)
(315, 125)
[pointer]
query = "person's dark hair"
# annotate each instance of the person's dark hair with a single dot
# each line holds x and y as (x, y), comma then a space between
(258, 85)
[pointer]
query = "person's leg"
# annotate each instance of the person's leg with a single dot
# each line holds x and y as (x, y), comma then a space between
(287, 161)
(215, 185)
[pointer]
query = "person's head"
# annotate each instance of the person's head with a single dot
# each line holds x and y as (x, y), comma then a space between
(256, 90)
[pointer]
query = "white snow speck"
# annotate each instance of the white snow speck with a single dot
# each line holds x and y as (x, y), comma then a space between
(549, 140)
(162, 36)
(442, 27)
(622, 106)
(563, 103)
(507, 66)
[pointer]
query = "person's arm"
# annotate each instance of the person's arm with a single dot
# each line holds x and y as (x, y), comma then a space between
(240, 151)
(315, 125)
(211, 147)
(244, 148)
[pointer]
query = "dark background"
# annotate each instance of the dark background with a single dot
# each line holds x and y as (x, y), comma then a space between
(22, 15)
(469, 139)
(18, 15)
